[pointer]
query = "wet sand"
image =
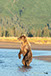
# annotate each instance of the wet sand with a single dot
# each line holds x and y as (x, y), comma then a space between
(16, 45)
(44, 58)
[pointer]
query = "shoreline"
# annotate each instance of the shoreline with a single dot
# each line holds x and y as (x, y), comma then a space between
(44, 58)
(16, 45)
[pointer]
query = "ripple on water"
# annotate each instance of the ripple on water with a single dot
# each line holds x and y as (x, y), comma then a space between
(1, 61)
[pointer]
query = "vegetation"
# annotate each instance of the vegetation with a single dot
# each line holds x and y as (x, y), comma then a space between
(35, 40)
(30, 17)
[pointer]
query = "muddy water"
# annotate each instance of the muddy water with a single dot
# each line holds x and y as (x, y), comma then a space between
(10, 65)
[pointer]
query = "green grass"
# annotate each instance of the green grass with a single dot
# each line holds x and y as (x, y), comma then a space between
(36, 13)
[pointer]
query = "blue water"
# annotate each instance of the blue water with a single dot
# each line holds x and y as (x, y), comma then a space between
(10, 65)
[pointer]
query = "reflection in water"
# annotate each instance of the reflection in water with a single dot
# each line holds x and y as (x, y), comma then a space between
(24, 68)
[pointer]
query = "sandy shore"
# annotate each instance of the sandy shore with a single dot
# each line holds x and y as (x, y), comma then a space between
(44, 58)
(16, 45)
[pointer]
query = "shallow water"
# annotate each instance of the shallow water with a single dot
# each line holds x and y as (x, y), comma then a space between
(10, 65)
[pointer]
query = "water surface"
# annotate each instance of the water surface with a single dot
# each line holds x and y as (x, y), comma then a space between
(10, 65)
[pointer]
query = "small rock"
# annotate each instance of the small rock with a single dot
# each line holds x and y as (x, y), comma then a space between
(45, 72)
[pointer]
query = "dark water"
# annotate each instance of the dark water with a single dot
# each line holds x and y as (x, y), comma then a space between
(10, 65)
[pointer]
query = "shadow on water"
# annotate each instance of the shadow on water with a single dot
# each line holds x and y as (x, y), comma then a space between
(24, 68)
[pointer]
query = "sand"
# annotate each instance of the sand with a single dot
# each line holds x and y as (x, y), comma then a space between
(15, 45)
(44, 58)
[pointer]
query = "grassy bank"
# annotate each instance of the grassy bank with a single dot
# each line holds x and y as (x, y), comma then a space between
(35, 40)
